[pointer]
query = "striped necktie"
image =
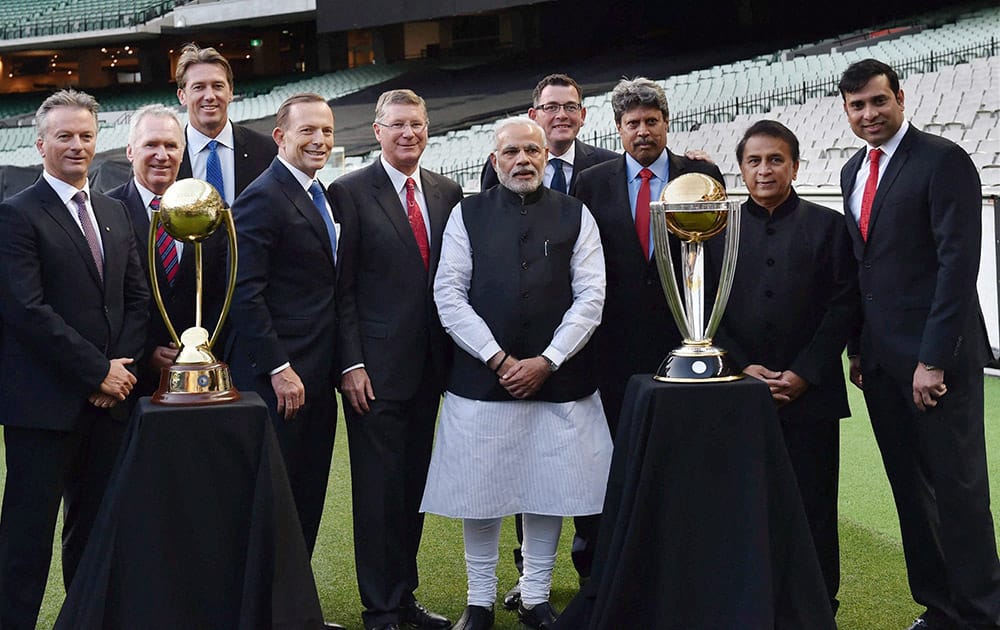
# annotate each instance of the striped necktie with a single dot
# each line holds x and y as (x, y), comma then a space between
(166, 247)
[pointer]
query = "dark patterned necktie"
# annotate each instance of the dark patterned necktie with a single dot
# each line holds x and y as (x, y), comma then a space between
(80, 199)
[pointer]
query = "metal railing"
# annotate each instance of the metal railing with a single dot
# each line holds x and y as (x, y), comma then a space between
(85, 21)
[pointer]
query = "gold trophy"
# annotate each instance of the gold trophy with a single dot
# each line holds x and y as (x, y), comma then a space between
(191, 211)
(694, 208)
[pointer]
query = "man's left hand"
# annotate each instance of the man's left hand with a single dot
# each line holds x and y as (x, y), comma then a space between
(525, 377)
(928, 386)
(102, 400)
(699, 155)
(790, 386)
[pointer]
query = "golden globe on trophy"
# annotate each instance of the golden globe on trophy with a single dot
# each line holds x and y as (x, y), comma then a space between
(694, 207)
(191, 211)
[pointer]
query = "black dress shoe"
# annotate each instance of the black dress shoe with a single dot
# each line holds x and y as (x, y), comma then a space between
(475, 618)
(333, 626)
(538, 617)
(386, 626)
(513, 597)
(416, 616)
(920, 624)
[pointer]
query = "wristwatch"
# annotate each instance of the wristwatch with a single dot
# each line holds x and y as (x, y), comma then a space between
(552, 366)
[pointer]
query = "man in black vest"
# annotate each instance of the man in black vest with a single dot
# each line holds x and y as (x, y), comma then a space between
(520, 289)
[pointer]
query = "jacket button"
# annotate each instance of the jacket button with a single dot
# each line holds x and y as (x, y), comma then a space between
(524, 264)
(770, 262)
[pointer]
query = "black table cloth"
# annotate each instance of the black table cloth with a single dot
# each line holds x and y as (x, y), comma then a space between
(197, 529)
(703, 526)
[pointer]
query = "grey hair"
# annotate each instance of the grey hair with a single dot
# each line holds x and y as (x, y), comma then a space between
(64, 98)
(160, 111)
(514, 120)
(638, 92)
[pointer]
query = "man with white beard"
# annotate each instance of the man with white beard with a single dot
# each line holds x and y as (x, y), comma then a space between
(520, 289)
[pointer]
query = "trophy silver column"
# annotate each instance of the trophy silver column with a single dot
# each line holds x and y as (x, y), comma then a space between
(694, 208)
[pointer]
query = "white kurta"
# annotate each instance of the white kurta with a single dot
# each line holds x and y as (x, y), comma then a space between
(495, 458)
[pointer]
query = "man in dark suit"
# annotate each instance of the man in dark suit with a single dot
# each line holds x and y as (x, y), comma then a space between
(73, 301)
(224, 154)
(558, 109)
(913, 210)
(394, 355)
(155, 147)
(637, 330)
(284, 337)
(794, 302)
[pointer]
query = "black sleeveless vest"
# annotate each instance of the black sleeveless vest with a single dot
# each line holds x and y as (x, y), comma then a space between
(521, 287)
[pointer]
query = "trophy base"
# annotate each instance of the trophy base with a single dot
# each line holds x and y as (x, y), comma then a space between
(698, 364)
(196, 384)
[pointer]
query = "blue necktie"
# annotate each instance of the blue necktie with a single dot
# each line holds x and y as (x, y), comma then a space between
(558, 182)
(319, 200)
(213, 169)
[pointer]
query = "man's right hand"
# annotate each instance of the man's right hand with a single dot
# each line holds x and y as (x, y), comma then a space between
(356, 387)
(855, 371)
(163, 357)
(290, 391)
(119, 381)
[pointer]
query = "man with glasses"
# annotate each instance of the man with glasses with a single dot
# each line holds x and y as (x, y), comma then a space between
(559, 110)
(394, 355)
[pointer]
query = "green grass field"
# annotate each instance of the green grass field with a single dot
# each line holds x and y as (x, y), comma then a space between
(874, 594)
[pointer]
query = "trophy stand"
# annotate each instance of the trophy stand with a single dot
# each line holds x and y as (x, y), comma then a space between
(191, 211)
(694, 208)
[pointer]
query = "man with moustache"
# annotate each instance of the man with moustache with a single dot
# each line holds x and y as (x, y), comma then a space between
(520, 290)
(284, 312)
(793, 303)
(224, 154)
(557, 106)
(74, 306)
(393, 353)
(913, 208)
(637, 329)
(155, 149)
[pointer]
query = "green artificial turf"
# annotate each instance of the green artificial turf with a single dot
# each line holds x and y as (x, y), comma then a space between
(874, 594)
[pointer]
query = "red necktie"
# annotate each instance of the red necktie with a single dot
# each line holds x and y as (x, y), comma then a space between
(417, 222)
(642, 212)
(869, 195)
(165, 246)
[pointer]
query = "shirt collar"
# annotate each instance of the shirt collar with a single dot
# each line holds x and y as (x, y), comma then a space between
(568, 156)
(304, 180)
(145, 194)
(398, 178)
(660, 167)
(198, 141)
(63, 190)
(785, 208)
(890, 145)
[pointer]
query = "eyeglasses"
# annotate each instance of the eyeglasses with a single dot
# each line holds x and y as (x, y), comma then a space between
(553, 108)
(415, 127)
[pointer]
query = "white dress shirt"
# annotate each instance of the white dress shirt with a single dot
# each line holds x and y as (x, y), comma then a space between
(197, 148)
(65, 193)
(888, 150)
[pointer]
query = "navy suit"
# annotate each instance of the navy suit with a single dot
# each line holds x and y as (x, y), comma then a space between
(284, 311)
(62, 325)
(179, 299)
(917, 276)
(637, 330)
(389, 323)
(585, 157)
(253, 153)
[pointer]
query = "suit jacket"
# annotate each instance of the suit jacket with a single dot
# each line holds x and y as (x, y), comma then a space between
(179, 300)
(637, 330)
(284, 304)
(586, 156)
(388, 320)
(253, 154)
(918, 269)
(794, 300)
(62, 323)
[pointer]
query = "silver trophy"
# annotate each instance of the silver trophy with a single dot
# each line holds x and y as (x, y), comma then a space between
(694, 208)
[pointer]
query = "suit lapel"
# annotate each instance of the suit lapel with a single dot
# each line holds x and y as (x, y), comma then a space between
(621, 211)
(104, 211)
(847, 177)
(388, 200)
(580, 162)
(140, 224)
(240, 156)
(303, 203)
(438, 216)
(51, 204)
(892, 171)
